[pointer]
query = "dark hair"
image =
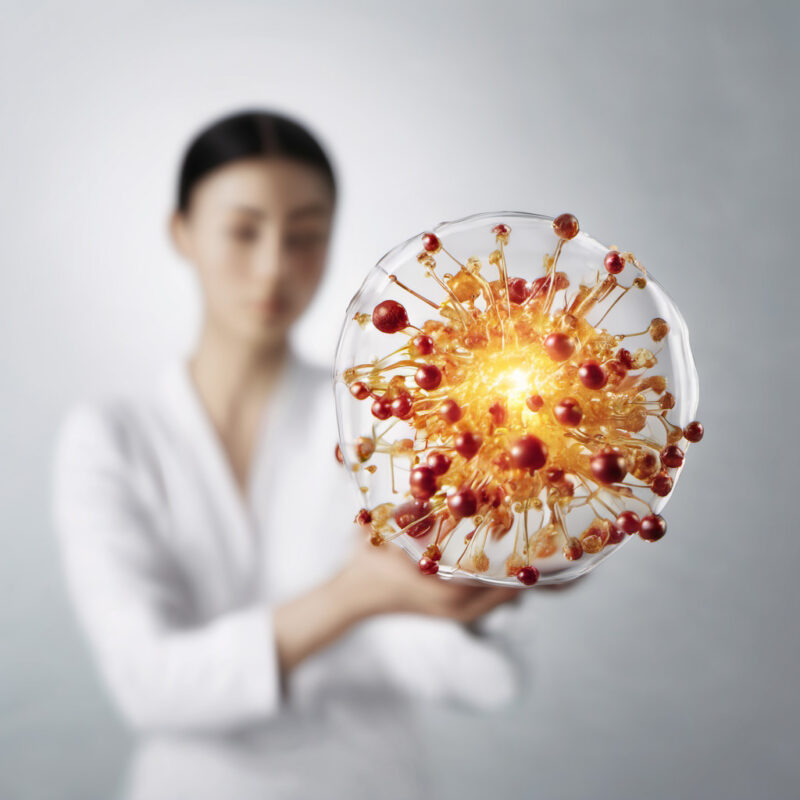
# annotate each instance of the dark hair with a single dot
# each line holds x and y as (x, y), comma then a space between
(249, 134)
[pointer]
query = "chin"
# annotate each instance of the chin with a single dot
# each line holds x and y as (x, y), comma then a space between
(261, 332)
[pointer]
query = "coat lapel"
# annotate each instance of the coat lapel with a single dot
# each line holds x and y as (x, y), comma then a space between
(232, 524)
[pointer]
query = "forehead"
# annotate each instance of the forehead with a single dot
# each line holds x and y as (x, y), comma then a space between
(272, 186)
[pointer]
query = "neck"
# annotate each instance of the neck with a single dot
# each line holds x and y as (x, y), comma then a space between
(232, 375)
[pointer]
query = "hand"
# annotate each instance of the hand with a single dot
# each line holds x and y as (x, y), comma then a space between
(384, 579)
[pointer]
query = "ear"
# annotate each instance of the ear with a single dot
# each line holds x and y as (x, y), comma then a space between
(179, 234)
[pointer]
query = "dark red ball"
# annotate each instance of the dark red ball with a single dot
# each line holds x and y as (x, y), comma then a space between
(381, 408)
(629, 522)
(389, 316)
(529, 452)
(653, 527)
(661, 484)
(528, 575)
(438, 462)
(402, 406)
(428, 566)
(693, 432)
(431, 243)
(422, 482)
(497, 411)
(518, 290)
(462, 503)
(423, 344)
(534, 402)
(559, 346)
(568, 412)
(608, 466)
(467, 444)
(625, 358)
(614, 262)
(672, 456)
(359, 390)
(408, 513)
(566, 226)
(428, 377)
(592, 374)
(615, 534)
(450, 410)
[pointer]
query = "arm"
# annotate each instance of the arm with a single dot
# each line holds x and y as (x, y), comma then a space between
(134, 606)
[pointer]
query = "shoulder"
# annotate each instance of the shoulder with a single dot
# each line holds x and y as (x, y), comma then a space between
(105, 431)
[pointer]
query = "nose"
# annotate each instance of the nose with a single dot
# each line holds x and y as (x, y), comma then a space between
(267, 258)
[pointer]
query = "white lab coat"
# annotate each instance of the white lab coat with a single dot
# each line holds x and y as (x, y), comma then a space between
(173, 575)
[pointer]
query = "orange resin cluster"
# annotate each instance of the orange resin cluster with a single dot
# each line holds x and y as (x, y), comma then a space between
(522, 411)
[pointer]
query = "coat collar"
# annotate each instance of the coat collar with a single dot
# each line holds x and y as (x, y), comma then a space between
(201, 441)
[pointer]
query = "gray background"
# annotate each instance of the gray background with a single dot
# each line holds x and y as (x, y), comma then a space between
(668, 128)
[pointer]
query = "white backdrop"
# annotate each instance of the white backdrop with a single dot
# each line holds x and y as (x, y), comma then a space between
(669, 129)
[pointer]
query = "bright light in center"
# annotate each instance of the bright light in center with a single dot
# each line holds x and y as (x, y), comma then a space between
(518, 379)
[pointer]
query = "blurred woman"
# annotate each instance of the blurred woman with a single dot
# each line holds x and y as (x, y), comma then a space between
(206, 528)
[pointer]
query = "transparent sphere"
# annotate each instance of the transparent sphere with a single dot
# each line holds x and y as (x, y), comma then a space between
(514, 399)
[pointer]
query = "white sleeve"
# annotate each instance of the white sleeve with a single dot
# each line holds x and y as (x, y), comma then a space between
(130, 598)
(482, 667)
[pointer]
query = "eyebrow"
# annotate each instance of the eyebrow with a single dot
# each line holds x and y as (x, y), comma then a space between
(310, 210)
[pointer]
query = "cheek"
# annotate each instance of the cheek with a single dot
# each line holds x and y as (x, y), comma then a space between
(304, 283)
(222, 265)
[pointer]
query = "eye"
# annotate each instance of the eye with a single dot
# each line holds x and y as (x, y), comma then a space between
(244, 233)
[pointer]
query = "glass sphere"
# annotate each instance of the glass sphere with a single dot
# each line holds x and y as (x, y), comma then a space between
(511, 397)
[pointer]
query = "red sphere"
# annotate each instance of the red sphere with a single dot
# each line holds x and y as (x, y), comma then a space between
(566, 226)
(422, 482)
(431, 243)
(653, 527)
(614, 262)
(608, 466)
(462, 503)
(401, 406)
(359, 390)
(529, 452)
(592, 374)
(423, 344)
(428, 566)
(381, 408)
(534, 402)
(438, 462)
(559, 346)
(693, 432)
(468, 443)
(498, 413)
(625, 358)
(573, 549)
(450, 410)
(615, 534)
(672, 456)
(528, 575)
(518, 290)
(554, 474)
(501, 229)
(662, 484)
(541, 286)
(568, 412)
(628, 521)
(408, 513)
(389, 316)
(428, 377)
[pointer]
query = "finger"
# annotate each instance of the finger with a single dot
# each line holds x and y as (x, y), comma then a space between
(489, 599)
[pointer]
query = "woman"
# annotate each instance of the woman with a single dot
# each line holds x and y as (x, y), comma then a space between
(206, 528)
